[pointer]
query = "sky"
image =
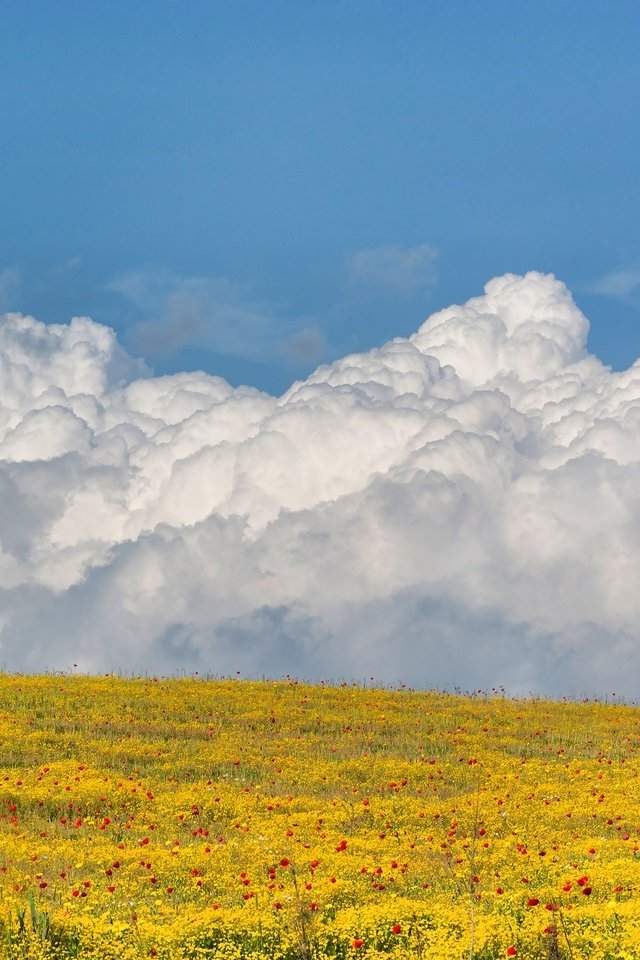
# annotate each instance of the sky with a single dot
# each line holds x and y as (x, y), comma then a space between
(318, 344)
(252, 188)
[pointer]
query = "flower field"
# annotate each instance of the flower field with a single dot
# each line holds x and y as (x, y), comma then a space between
(190, 818)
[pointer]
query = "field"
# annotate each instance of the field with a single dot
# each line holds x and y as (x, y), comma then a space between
(193, 818)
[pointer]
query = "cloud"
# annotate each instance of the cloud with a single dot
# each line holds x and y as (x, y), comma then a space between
(455, 508)
(68, 266)
(619, 284)
(402, 270)
(216, 313)
(10, 279)
(306, 346)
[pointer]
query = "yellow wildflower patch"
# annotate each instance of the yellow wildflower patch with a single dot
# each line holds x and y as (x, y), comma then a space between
(189, 818)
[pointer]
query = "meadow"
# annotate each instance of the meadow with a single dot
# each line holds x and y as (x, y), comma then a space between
(185, 818)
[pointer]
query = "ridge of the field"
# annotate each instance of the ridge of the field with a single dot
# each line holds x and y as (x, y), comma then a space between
(189, 817)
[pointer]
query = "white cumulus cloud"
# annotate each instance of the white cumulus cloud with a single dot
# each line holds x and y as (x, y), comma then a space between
(461, 507)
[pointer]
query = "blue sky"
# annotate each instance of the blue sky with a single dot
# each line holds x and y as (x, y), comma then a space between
(251, 188)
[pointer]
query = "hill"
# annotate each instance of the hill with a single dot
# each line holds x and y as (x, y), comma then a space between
(185, 817)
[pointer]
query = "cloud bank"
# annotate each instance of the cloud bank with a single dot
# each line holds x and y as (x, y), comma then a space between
(461, 507)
